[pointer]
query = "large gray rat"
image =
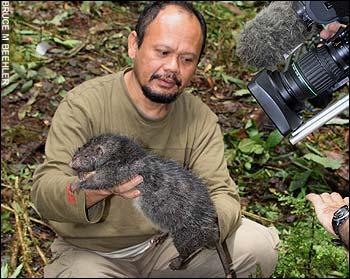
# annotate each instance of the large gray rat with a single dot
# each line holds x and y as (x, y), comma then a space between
(172, 198)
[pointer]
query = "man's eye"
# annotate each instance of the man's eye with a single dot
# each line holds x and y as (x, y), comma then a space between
(163, 52)
(187, 60)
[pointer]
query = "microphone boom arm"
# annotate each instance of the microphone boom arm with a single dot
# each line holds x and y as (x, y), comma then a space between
(319, 119)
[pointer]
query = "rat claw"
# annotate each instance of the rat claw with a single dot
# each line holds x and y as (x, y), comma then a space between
(74, 186)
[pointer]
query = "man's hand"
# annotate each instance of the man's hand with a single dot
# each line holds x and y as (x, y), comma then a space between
(330, 30)
(125, 190)
(325, 206)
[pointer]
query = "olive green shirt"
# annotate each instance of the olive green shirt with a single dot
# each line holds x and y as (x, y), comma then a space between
(189, 134)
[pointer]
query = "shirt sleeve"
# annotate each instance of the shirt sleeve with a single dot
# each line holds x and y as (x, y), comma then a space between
(208, 162)
(71, 127)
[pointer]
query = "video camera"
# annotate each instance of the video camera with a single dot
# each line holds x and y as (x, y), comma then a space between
(316, 75)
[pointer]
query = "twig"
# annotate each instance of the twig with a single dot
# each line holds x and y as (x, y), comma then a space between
(107, 69)
(7, 186)
(14, 250)
(41, 29)
(256, 217)
(22, 244)
(30, 218)
(300, 165)
(31, 234)
(79, 48)
(101, 65)
(26, 258)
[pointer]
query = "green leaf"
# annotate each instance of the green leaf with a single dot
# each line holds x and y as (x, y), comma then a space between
(250, 146)
(32, 74)
(338, 121)
(59, 80)
(67, 43)
(9, 89)
(26, 86)
(241, 92)
(63, 93)
(17, 271)
(299, 180)
(273, 139)
(247, 165)
(58, 18)
(319, 188)
(85, 7)
(19, 69)
(26, 32)
(47, 73)
(237, 81)
(12, 79)
(324, 161)
(4, 270)
(32, 65)
(249, 124)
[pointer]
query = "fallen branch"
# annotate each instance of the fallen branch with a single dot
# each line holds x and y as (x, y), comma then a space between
(14, 250)
(74, 51)
(6, 207)
(101, 65)
(257, 217)
(41, 29)
(21, 229)
(31, 234)
(25, 251)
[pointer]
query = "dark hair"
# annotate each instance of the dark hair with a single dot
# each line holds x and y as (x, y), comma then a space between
(151, 11)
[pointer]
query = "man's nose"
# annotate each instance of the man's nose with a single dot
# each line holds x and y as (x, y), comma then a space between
(172, 64)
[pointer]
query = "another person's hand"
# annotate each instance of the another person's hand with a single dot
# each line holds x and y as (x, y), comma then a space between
(125, 190)
(325, 206)
(330, 30)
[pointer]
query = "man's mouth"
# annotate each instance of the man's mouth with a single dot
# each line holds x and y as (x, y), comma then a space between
(167, 83)
(167, 80)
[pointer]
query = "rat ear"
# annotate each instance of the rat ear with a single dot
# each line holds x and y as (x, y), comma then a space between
(100, 150)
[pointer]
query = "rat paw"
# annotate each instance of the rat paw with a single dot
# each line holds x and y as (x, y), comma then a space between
(176, 263)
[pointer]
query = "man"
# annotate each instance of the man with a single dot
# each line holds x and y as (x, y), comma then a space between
(100, 233)
(332, 211)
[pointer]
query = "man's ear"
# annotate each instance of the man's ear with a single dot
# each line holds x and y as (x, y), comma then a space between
(132, 44)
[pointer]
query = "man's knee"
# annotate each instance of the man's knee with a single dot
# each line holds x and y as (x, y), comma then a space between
(254, 249)
(76, 264)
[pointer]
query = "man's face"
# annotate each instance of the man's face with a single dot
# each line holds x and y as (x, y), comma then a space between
(168, 56)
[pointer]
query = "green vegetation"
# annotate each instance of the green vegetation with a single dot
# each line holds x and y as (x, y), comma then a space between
(263, 176)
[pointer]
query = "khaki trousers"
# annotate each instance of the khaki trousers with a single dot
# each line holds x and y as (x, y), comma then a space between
(253, 249)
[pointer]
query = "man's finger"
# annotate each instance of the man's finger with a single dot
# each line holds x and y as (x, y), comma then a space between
(326, 197)
(91, 173)
(131, 194)
(334, 27)
(120, 189)
(315, 199)
(336, 197)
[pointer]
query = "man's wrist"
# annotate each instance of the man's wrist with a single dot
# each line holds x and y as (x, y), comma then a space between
(344, 233)
(94, 196)
(341, 215)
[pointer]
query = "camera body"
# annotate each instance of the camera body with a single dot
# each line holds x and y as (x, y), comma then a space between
(316, 75)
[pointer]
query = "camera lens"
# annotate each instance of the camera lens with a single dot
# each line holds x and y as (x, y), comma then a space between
(282, 95)
(313, 74)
